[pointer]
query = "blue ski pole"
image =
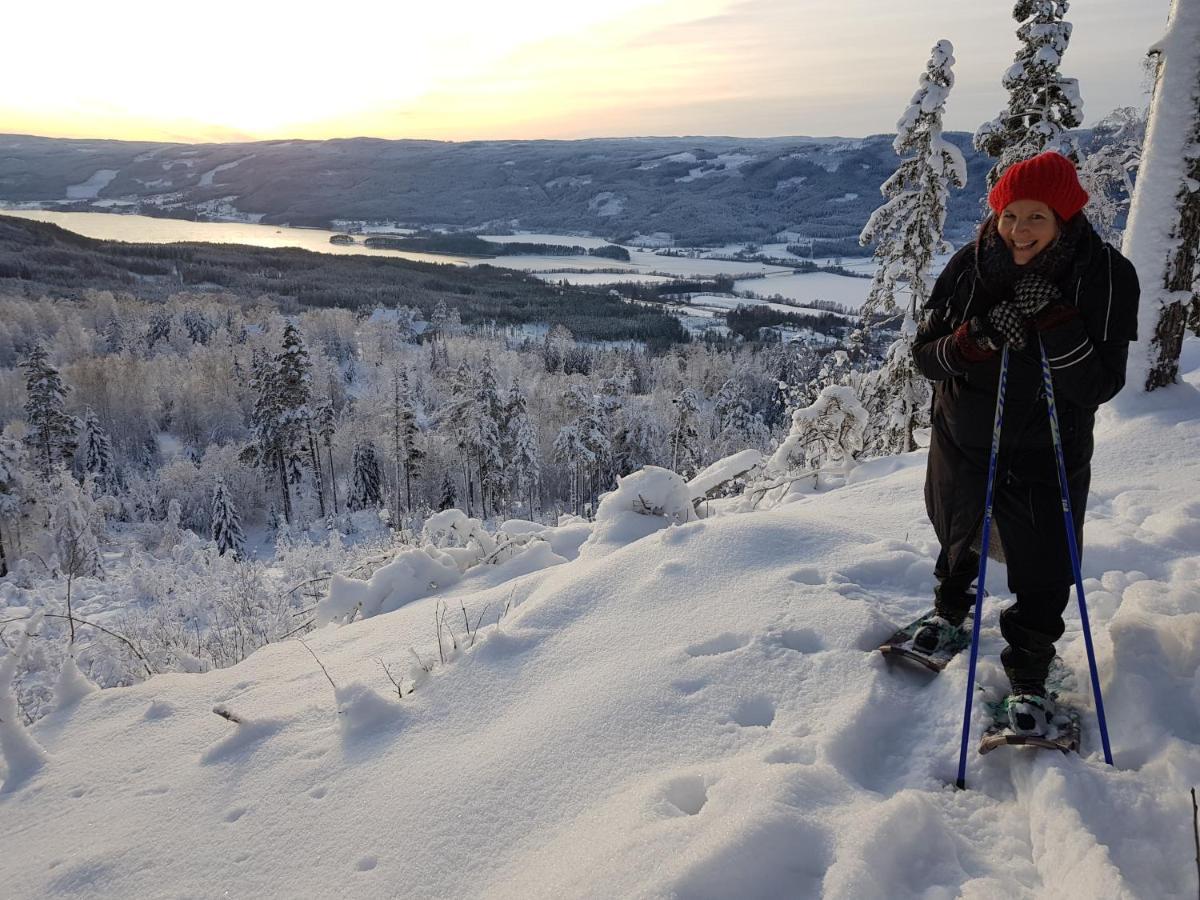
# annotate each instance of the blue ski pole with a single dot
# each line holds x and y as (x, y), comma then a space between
(983, 558)
(1069, 519)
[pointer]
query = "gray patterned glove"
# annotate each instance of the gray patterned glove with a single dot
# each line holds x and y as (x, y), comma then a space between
(1033, 293)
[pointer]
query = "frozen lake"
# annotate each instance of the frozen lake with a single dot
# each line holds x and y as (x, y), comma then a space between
(643, 266)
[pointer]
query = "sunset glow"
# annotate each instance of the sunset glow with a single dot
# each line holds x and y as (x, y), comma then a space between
(527, 69)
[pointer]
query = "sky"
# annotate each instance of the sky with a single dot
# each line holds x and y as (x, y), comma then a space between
(261, 69)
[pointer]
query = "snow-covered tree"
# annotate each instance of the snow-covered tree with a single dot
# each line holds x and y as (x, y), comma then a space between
(448, 495)
(1162, 239)
(15, 484)
(367, 493)
(828, 432)
(71, 522)
(52, 433)
(98, 454)
(896, 398)
(684, 437)
(571, 448)
(226, 524)
(523, 461)
(1042, 104)
(326, 425)
(485, 434)
(907, 229)
(1106, 169)
(405, 437)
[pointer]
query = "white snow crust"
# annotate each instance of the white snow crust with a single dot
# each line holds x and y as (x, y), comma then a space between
(675, 710)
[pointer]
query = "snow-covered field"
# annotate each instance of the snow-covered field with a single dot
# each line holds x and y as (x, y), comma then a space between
(850, 292)
(671, 711)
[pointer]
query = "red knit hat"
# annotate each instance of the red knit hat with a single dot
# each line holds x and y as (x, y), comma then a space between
(1048, 177)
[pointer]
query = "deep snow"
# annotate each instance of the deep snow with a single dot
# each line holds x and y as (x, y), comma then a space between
(694, 713)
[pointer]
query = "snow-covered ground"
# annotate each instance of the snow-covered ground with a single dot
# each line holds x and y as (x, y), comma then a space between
(673, 710)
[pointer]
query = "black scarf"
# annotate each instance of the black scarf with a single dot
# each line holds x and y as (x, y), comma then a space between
(998, 270)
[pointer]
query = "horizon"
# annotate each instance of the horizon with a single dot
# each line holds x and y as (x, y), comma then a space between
(744, 69)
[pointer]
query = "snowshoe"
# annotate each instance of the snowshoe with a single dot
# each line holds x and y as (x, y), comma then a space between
(941, 641)
(1034, 720)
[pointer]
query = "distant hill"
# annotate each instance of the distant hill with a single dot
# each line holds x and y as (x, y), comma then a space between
(697, 190)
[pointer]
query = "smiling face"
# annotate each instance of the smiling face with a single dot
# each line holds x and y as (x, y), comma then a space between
(1027, 227)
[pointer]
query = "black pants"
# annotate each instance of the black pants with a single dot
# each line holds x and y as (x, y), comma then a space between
(1030, 626)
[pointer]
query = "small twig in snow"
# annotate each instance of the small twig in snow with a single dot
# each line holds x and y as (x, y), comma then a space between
(388, 672)
(428, 667)
(319, 663)
(1196, 834)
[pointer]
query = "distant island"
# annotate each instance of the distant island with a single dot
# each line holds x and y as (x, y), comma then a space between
(471, 245)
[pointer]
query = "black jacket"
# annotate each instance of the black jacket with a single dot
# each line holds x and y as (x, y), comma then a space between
(1087, 356)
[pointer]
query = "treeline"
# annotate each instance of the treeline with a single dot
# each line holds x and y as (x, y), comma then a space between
(37, 258)
(746, 321)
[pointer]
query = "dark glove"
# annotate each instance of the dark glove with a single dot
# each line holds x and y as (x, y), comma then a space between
(976, 341)
(1033, 293)
(1007, 323)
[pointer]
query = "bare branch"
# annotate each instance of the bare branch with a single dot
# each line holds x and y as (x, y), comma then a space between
(319, 663)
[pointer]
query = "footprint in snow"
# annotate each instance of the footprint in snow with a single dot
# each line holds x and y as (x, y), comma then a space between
(234, 814)
(319, 792)
(755, 712)
(807, 575)
(685, 795)
(801, 640)
(367, 863)
(722, 643)
(687, 687)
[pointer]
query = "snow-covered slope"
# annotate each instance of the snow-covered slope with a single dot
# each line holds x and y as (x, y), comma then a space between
(691, 714)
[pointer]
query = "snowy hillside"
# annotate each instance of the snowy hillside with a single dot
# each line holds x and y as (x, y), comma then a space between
(693, 713)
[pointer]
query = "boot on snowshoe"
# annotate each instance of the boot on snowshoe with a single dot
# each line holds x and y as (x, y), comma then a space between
(1030, 713)
(935, 632)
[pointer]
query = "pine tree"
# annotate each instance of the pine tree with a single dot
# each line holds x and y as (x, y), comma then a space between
(52, 433)
(98, 454)
(367, 493)
(293, 390)
(1042, 104)
(908, 227)
(485, 435)
(684, 438)
(908, 231)
(571, 448)
(522, 456)
(1162, 239)
(269, 449)
(326, 427)
(226, 524)
(405, 437)
(460, 413)
(449, 493)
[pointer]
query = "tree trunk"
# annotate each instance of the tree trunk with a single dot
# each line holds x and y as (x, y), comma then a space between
(1162, 238)
(332, 476)
(281, 468)
(318, 477)
(3, 557)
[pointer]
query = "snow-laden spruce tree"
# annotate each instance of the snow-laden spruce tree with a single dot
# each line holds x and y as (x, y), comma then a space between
(367, 493)
(52, 433)
(1042, 104)
(523, 457)
(406, 448)
(1162, 239)
(98, 454)
(907, 230)
(226, 524)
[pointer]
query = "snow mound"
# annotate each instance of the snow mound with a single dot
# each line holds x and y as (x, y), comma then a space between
(646, 501)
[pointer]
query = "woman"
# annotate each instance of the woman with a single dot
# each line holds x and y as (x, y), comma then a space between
(1037, 272)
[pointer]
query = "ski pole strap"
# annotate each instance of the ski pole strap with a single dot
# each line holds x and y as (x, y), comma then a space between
(997, 422)
(1073, 547)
